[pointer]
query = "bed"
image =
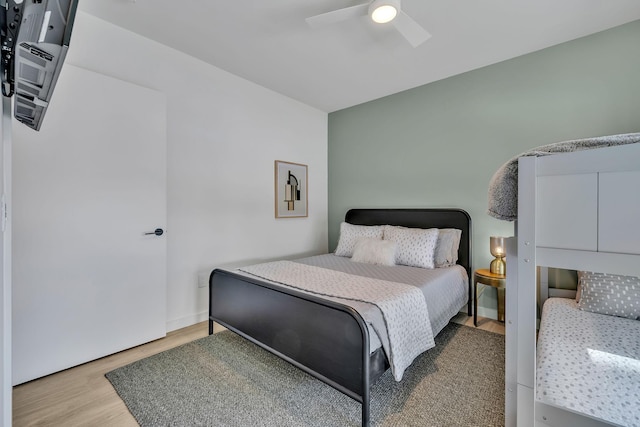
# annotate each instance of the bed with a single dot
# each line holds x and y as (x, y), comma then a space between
(325, 336)
(604, 346)
(576, 210)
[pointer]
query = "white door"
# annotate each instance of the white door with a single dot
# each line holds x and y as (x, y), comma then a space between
(87, 281)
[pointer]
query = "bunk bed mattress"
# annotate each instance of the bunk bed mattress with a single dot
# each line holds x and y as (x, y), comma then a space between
(589, 362)
(444, 289)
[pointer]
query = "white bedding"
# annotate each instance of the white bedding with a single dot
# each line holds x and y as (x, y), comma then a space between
(406, 325)
(444, 290)
(589, 362)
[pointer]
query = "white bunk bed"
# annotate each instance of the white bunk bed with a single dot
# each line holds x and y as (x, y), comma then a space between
(579, 211)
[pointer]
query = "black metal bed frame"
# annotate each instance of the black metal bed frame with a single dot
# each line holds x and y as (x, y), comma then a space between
(323, 338)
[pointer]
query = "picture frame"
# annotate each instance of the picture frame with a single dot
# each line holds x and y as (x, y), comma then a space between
(291, 190)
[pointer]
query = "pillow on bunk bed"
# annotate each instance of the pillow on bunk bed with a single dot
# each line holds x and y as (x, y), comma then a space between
(374, 251)
(610, 294)
(446, 253)
(415, 246)
(350, 233)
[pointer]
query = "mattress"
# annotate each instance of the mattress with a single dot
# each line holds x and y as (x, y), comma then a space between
(589, 363)
(445, 289)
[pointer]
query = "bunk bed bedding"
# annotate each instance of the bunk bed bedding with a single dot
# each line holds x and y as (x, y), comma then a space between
(503, 187)
(596, 368)
(444, 290)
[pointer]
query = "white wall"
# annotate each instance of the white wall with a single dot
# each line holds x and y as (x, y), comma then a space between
(223, 135)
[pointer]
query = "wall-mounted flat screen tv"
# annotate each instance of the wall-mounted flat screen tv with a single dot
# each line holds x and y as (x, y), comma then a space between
(35, 38)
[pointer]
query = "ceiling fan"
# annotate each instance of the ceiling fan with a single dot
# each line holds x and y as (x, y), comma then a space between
(381, 12)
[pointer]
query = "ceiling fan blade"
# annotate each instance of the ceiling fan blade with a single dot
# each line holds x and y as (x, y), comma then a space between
(338, 15)
(410, 29)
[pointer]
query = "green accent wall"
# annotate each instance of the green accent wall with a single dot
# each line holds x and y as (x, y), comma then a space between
(438, 145)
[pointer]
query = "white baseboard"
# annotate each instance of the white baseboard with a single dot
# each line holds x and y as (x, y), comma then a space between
(183, 322)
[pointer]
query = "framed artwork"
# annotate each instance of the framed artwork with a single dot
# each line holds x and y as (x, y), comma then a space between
(291, 190)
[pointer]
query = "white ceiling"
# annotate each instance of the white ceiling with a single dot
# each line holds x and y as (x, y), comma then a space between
(345, 64)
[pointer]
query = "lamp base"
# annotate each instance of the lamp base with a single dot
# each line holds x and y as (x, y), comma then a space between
(498, 266)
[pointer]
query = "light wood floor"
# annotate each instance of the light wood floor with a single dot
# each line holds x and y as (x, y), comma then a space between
(82, 396)
(485, 323)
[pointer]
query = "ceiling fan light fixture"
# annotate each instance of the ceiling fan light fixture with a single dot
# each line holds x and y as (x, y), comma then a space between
(403, 23)
(383, 11)
(383, 14)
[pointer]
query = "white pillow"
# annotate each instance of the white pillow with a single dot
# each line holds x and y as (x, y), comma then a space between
(416, 246)
(349, 235)
(374, 251)
(447, 247)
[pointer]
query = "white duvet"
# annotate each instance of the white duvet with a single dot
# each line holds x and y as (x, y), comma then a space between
(405, 331)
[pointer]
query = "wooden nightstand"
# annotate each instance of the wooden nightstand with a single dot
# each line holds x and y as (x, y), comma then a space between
(498, 281)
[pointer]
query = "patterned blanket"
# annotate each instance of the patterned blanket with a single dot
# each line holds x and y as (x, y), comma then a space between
(403, 307)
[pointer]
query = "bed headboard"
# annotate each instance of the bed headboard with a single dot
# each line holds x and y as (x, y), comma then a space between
(422, 218)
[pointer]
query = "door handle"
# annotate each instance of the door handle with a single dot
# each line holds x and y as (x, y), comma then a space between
(157, 232)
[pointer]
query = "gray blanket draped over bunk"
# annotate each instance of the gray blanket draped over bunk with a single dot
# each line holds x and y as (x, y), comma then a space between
(503, 188)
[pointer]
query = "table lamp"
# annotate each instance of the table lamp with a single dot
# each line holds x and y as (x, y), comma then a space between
(498, 265)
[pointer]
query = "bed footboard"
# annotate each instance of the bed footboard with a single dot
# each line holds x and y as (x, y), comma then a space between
(325, 339)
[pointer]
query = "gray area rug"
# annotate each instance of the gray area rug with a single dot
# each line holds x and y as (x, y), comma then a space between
(224, 380)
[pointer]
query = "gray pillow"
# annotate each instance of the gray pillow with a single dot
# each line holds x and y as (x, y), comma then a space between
(610, 294)
(447, 246)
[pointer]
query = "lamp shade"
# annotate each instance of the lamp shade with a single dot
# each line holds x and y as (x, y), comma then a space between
(497, 246)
